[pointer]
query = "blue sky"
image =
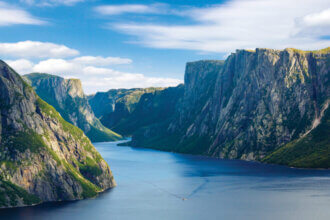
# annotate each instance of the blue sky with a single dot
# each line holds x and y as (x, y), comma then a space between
(124, 44)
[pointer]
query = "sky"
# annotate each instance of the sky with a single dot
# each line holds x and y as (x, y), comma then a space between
(125, 44)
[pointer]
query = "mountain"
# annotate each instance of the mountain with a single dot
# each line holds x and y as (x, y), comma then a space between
(311, 150)
(153, 107)
(268, 105)
(115, 105)
(43, 157)
(67, 97)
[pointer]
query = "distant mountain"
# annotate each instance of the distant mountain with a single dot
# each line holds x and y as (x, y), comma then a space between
(67, 97)
(43, 157)
(116, 105)
(153, 108)
(268, 105)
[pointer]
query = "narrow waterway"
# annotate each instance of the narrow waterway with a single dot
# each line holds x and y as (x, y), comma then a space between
(163, 185)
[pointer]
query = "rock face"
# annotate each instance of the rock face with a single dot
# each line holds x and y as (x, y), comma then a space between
(116, 105)
(155, 107)
(43, 157)
(249, 106)
(67, 97)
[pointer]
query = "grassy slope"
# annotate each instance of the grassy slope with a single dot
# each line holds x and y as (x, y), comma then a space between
(21, 141)
(87, 166)
(100, 133)
(126, 102)
(10, 194)
(311, 151)
(97, 132)
(154, 107)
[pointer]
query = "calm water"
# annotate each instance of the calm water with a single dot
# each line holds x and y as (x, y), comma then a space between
(162, 185)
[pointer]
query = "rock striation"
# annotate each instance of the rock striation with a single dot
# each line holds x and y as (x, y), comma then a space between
(115, 106)
(251, 106)
(42, 156)
(68, 98)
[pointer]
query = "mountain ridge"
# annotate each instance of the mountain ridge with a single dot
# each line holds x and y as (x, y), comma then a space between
(67, 96)
(43, 157)
(251, 105)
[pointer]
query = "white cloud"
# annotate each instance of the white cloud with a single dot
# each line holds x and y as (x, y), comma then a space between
(130, 8)
(36, 49)
(318, 19)
(93, 78)
(57, 66)
(101, 61)
(240, 24)
(10, 15)
(126, 80)
(51, 2)
(99, 71)
(22, 66)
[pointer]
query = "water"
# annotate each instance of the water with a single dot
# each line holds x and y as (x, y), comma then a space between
(162, 185)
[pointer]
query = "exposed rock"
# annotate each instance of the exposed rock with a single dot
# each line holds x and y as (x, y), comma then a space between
(43, 157)
(247, 107)
(116, 105)
(67, 97)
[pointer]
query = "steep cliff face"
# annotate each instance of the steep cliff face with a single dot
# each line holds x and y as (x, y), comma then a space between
(68, 98)
(311, 150)
(273, 98)
(170, 135)
(155, 107)
(43, 157)
(116, 105)
(254, 103)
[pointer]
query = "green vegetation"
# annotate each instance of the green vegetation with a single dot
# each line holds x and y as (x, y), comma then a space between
(102, 134)
(67, 127)
(152, 108)
(10, 165)
(131, 98)
(197, 145)
(10, 193)
(90, 167)
(89, 189)
(69, 106)
(321, 51)
(37, 76)
(311, 151)
(54, 156)
(19, 136)
(113, 106)
(23, 140)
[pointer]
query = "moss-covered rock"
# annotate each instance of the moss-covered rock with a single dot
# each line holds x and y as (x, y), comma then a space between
(42, 156)
(68, 98)
(249, 106)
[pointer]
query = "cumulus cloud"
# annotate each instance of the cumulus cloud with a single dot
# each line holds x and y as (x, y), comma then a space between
(321, 18)
(36, 49)
(21, 66)
(57, 66)
(10, 15)
(239, 24)
(51, 2)
(101, 61)
(94, 78)
(130, 8)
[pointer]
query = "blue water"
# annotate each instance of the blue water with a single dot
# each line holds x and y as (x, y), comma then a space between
(162, 185)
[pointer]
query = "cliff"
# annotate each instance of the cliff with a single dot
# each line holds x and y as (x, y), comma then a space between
(249, 107)
(155, 107)
(116, 105)
(67, 97)
(43, 157)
